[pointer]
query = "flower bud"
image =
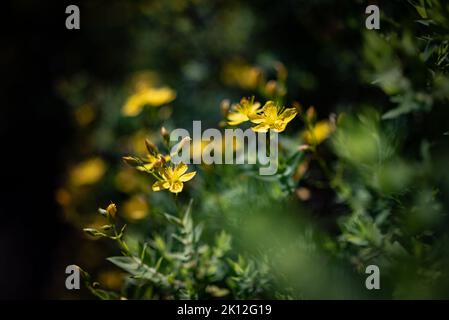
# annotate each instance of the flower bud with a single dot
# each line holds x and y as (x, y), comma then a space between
(112, 210)
(271, 87)
(131, 161)
(225, 106)
(180, 145)
(103, 212)
(165, 135)
(106, 227)
(311, 114)
(281, 71)
(152, 149)
(92, 232)
(164, 132)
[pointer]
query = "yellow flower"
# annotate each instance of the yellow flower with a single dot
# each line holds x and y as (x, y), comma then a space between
(87, 172)
(273, 118)
(244, 111)
(173, 178)
(135, 208)
(85, 114)
(318, 133)
(152, 161)
(154, 97)
(126, 181)
(239, 73)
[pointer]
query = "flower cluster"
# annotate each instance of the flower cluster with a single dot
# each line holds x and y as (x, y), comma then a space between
(269, 117)
(168, 175)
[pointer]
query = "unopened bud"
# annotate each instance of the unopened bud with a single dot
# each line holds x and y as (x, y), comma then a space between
(103, 212)
(93, 232)
(106, 227)
(333, 121)
(164, 132)
(311, 114)
(225, 106)
(180, 145)
(281, 71)
(304, 147)
(270, 87)
(131, 161)
(112, 210)
(152, 149)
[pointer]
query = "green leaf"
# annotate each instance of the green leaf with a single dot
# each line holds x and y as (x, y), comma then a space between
(422, 11)
(172, 219)
(137, 269)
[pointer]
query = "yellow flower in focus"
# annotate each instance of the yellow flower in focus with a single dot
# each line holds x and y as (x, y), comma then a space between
(87, 172)
(173, 178)
(242, 112)
(153, 97)
(318, 133)
(273, 118)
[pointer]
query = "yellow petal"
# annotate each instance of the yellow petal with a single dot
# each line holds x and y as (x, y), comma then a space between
(188, 176)
(254, 107)
(235, 118)
(176, 187)
(263, 127)
(180, 169)
(160, 185)
(257, 119)
(288, 114)
(279, 126)
(270, 109)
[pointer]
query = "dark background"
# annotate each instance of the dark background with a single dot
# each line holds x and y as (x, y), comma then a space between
(36, 132)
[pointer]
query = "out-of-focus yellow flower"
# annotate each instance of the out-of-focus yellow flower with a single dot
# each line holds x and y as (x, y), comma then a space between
(87, 172)
(241, 74)
(243, 111)
(63, 197)
(273, 118)
(111, 279)
(85, 114)
(134, 141)
(153, 97)
(135, 208)
(173, 178)
(318, 132)
(126, 180)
